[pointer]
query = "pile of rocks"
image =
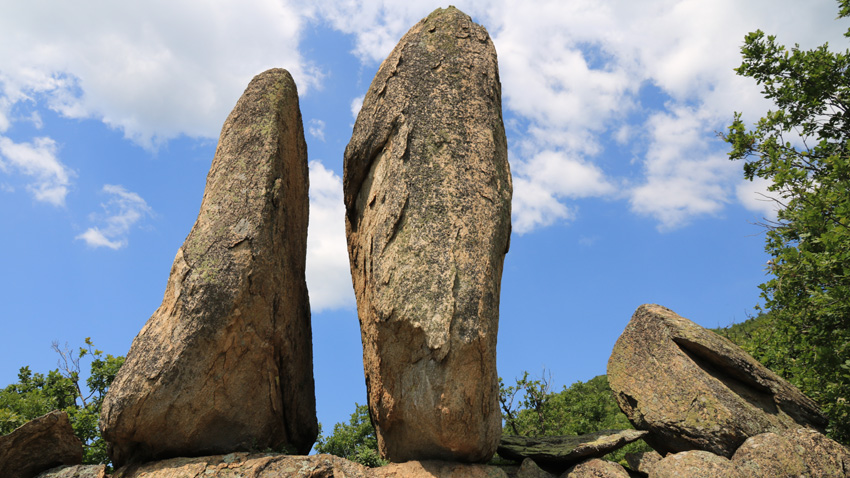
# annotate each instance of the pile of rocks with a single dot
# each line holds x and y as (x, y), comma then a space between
(224, 367)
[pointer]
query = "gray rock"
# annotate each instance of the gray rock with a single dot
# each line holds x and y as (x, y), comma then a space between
(643, 462)
(693, 389)
(76, 471)
(529, 469)
(792, 453)
(557, 453)
(427, 191)
(695, 464)
(38, 445)
(225, 363)
(596, 468)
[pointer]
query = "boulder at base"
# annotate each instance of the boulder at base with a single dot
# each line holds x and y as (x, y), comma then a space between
(693, 389)
(695, 464)
(597, 468)
(225, 363)
(38, 445)
(427, 191)
(792, 453)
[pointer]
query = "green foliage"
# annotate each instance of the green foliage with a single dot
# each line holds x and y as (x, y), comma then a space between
(529, 409)
(35, 395)
(355, 440)
(802, 149)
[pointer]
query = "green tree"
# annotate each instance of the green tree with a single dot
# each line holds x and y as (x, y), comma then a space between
(802, 148)
(35, 394)
(355, 440)
(529, 408)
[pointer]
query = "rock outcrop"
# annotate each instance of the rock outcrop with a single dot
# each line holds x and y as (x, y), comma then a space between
(695, 390)
(427, 191)
(557, 453)
(38, 445)
(225, 363)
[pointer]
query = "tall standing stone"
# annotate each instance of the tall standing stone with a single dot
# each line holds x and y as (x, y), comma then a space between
(427, 191)
(225, 363)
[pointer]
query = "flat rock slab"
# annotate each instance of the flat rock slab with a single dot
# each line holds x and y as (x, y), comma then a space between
(427, 191)
(695, 390)
(38, 445)
(225, 363)
(557, 453)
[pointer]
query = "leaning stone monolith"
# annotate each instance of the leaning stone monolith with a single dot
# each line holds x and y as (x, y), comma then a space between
(695, 390)
(225, 363)
(427, 191)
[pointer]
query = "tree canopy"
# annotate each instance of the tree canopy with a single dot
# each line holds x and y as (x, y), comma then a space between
(36, 394)
(801, 148)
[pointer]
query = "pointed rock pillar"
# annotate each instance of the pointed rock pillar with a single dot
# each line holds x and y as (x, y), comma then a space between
(427, 191)
(225, 364)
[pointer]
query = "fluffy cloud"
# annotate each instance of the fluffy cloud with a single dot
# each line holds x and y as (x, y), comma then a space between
(49, 180)
(584, 73)
(155, 70)
(120, 213)
(328, 275)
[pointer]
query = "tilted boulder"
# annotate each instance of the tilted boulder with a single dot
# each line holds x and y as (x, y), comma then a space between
(38, 445)
(427, 191)
(695, 390)
(225, 363)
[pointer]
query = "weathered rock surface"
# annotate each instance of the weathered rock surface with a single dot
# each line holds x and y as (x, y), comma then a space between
(38, 445)
(267, 465)
(695, 464)
(225, 363)
(557, 453)
(643, 462)
(436, 469)
(596, 468)
(76, 471)
(427, 191)
(792, 453)
(529, 469)
(693, 389)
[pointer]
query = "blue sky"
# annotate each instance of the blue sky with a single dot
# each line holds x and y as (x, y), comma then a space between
(110, 113)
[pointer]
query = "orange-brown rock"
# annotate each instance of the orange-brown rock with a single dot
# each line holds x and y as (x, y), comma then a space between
(225, 363)
(792, 453)
(76, 471)
(38, 445)
(427, 191)
(695, 390)
(596, 468)
(695, 464)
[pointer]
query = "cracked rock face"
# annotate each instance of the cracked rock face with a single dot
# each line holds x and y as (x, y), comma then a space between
(427, 191)
(695, 390)
(225, 363)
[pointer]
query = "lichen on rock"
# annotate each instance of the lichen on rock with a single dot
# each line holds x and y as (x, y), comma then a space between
(427, 191)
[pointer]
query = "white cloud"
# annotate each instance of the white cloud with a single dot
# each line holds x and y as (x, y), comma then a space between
(356, 104)
(328, 273)
(545, 179)
(754, 196)
(316, 128)
(155, 70)
(50, 179)
(575, 71)
(121, 212)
